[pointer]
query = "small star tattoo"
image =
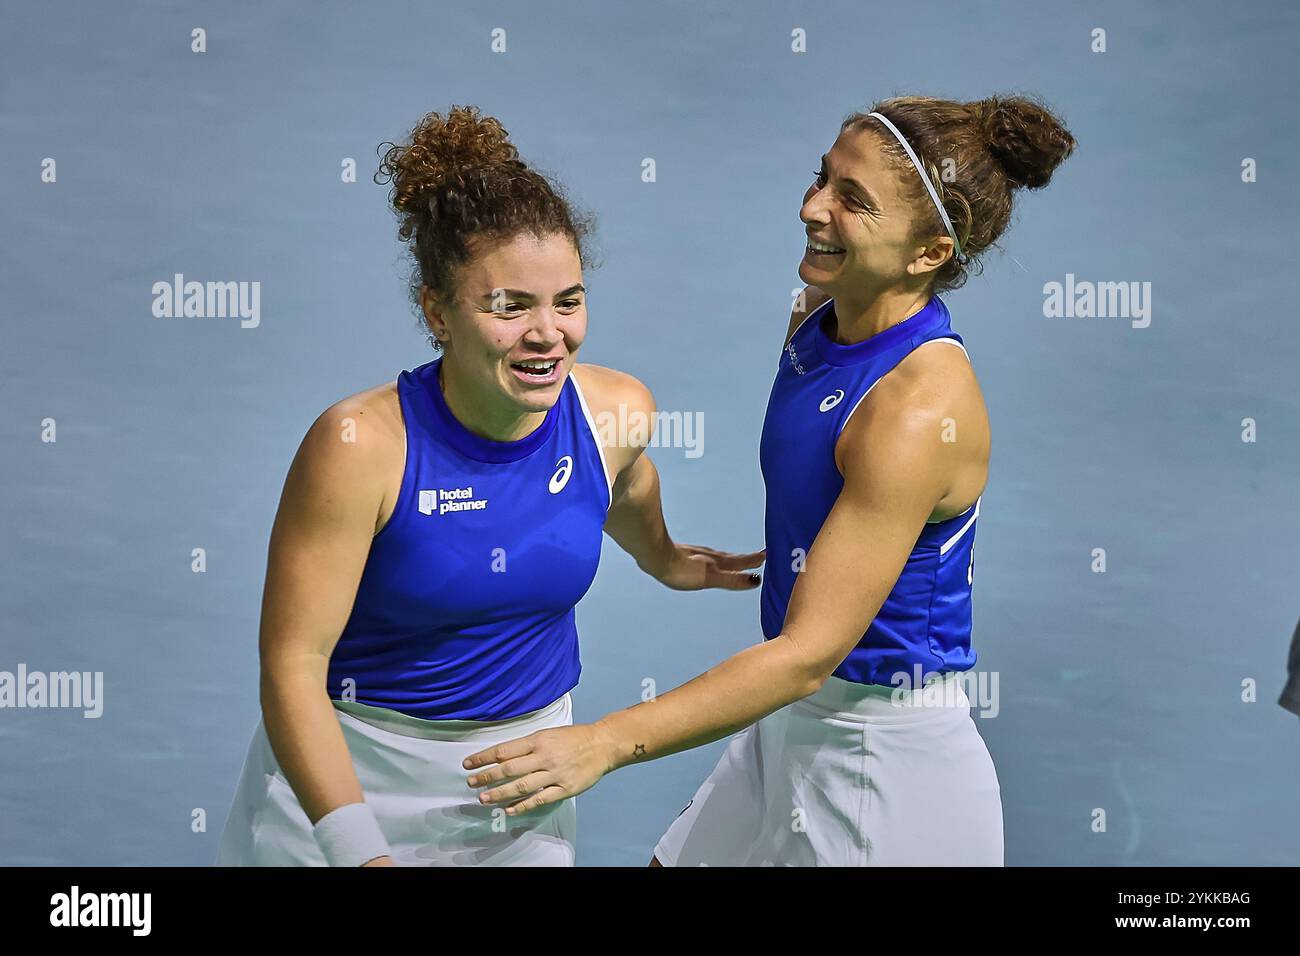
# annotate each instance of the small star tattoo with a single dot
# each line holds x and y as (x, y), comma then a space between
(639, 750)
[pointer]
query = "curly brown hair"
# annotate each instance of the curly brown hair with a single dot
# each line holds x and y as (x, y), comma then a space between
(976, 154)
(459, 187)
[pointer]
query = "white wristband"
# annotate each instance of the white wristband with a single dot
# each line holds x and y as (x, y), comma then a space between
(350, 836)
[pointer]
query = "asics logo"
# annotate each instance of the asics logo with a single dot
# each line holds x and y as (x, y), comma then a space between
(830, 401)
(562, 473)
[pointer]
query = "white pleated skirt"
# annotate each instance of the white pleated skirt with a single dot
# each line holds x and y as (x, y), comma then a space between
(845, 777)
(411, 775)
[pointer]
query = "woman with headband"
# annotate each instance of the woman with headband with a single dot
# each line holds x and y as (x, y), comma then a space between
(436, 532)
(854, 743)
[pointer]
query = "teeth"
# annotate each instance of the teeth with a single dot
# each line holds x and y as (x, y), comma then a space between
(538, 364)
(822, 247)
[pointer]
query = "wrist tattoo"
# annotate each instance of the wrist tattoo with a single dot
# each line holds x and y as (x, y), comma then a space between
(638, 751)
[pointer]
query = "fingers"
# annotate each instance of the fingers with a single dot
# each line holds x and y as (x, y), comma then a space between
(552, 794)
(699, 549)
(731, 580)
(738, 562)
(516, 767)
(500, 753)
(523, 787)
(726, 559)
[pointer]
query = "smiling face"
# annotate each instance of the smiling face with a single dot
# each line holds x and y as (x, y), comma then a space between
(512, 331)
(860, 224)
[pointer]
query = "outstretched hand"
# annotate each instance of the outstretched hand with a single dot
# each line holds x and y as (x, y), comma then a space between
(545, 767)
(694, 568)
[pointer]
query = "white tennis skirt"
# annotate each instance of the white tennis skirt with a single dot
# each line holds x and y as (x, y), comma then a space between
(411, 774)
(845, 777)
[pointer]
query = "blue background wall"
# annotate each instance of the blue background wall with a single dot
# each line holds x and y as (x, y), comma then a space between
(1119, 690)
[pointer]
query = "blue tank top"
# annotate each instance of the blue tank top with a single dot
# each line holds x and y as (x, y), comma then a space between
(465, 609)
(925, 621)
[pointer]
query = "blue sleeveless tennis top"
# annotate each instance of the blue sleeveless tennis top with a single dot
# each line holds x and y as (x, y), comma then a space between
(465, 609)
(925, 622)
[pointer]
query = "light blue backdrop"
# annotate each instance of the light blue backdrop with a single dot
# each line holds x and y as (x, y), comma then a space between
(1119, 690)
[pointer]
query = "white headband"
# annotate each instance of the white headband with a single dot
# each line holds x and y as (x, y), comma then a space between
(924, 178)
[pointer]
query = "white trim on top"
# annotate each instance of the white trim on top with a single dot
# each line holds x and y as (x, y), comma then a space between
(805, 321)
(947, 545)
(967, 354)
(950, 517)
(856, 404)
(595, 437)
(879, 380)
(950, 342)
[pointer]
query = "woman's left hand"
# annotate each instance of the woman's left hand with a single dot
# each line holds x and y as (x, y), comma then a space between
(545, 767)
(692, 567)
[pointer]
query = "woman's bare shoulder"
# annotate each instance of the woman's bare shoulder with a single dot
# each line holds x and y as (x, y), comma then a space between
(370, 419)
(354, 446)
(614, 396)
(807, 302)
(605, 389)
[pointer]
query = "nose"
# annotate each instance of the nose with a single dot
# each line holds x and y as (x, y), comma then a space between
(813, 213)
(544, 329)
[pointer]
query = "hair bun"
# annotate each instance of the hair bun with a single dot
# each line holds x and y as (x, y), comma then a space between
(442, 148)
(1026, 140)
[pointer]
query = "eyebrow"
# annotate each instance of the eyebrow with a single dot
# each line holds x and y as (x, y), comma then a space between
(522, 294)
(871, 197)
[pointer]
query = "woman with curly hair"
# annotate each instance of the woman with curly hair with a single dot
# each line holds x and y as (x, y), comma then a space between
(435, 533)
(854, 743)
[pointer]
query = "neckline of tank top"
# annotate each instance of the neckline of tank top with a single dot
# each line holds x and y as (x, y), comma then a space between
(475, 446)
(933, 315)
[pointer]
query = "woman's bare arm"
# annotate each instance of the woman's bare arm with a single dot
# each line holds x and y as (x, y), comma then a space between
(897, 469)
(636, 518)
(333, 495)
